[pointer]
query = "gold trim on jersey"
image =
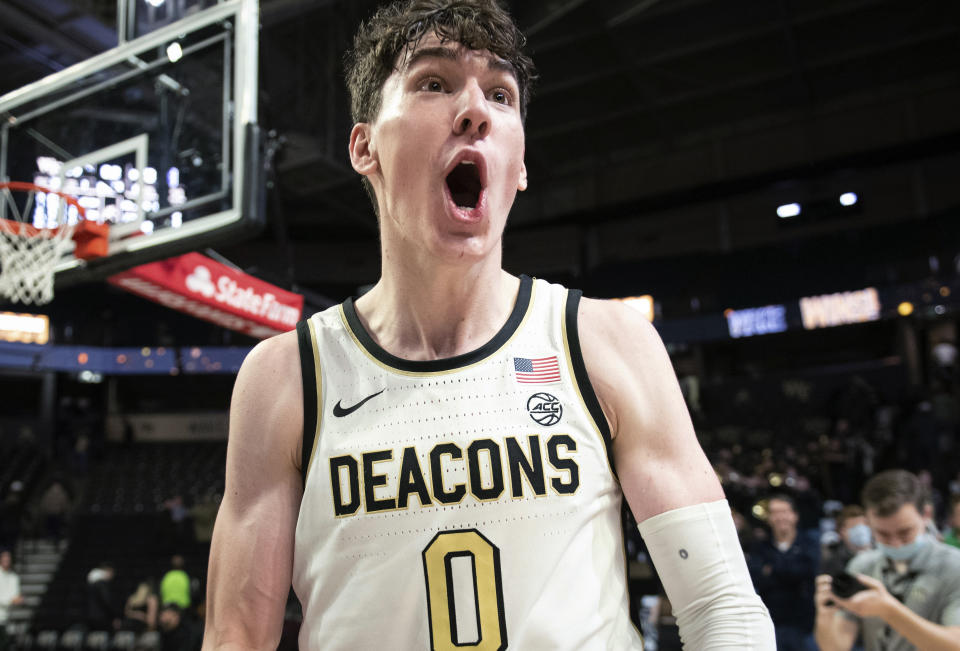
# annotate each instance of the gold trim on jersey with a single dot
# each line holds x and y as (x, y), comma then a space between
(576, 385)
(398, 371)
(319, 377)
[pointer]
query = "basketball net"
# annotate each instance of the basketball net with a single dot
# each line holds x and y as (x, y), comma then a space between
(36, 230)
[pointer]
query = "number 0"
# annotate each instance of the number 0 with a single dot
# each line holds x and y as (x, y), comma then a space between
(442, 608)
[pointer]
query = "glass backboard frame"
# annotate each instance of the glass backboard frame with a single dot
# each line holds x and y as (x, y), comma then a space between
(244, 213)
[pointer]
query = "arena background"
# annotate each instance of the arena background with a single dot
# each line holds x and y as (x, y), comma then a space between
(667, 143)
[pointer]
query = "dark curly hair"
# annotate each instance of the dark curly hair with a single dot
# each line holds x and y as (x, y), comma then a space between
(476, 24)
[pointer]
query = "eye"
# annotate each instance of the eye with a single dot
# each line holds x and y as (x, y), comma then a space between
(501, 96)
(432, 85)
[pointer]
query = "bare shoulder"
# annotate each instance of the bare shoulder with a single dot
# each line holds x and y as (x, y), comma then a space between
(267, 404)
(658, 458)
(623, 353)
(607, 326)
(277, 354)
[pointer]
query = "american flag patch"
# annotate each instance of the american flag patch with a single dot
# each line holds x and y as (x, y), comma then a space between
(540, 370)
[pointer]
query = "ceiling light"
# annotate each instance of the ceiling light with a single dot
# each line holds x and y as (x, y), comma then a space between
(174, 52)
(788, 210)
(848, 198)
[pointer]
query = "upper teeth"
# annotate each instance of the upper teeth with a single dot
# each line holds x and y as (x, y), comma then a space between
(467, 162)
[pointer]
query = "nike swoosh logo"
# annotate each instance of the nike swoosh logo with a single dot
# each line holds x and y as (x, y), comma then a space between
(340, 412)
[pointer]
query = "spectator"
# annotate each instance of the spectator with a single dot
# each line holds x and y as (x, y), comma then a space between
(54, 507)
(9, 595)
(175, 585)
(178, 632)
(141, 609)
(952, 534)
(911, 582)
(103, 612)
(855, 537)
(783, 570)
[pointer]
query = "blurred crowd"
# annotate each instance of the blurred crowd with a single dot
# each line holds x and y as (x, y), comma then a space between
(799, 506)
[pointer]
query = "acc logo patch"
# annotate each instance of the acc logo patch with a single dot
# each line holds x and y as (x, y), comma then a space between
(544, 409)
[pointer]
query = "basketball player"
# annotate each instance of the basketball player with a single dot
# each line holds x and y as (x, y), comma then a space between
(441, 462)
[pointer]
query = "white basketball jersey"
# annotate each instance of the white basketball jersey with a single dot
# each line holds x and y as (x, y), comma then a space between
(462, 503)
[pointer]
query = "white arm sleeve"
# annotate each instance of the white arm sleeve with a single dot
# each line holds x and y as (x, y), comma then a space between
(698, 557)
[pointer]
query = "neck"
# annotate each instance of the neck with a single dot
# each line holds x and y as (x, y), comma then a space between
(787, 536)
(420, 313)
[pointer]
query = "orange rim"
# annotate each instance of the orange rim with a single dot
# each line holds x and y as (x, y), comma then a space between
(33, 187)
(91, 237)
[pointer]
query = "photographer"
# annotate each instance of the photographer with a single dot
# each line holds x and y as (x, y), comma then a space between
(907, 591)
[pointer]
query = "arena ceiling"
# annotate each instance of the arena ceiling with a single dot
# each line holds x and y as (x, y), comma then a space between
(661, 131)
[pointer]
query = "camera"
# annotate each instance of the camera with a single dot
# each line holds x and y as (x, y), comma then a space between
(845, 585)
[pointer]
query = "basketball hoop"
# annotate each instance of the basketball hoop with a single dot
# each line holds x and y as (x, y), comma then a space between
(38, 227)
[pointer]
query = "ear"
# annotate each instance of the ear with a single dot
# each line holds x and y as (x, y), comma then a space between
(522, 184)
(362, 157)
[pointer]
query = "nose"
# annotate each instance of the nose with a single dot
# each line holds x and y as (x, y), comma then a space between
(473, 114)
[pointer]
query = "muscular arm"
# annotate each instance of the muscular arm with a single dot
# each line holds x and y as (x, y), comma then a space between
(251, 555)
(669, 484)
(659, 460)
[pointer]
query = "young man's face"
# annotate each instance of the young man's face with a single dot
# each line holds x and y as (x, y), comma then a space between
(898, 529)
(6, 560)
(849, 524)
(782, 517)
(445, 153)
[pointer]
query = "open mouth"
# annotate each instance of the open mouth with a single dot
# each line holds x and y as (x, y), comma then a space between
(465, 185)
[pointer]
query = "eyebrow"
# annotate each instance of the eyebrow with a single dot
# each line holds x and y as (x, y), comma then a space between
(449, 54)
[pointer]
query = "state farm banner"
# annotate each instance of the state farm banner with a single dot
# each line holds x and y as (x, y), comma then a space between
(204, 288)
